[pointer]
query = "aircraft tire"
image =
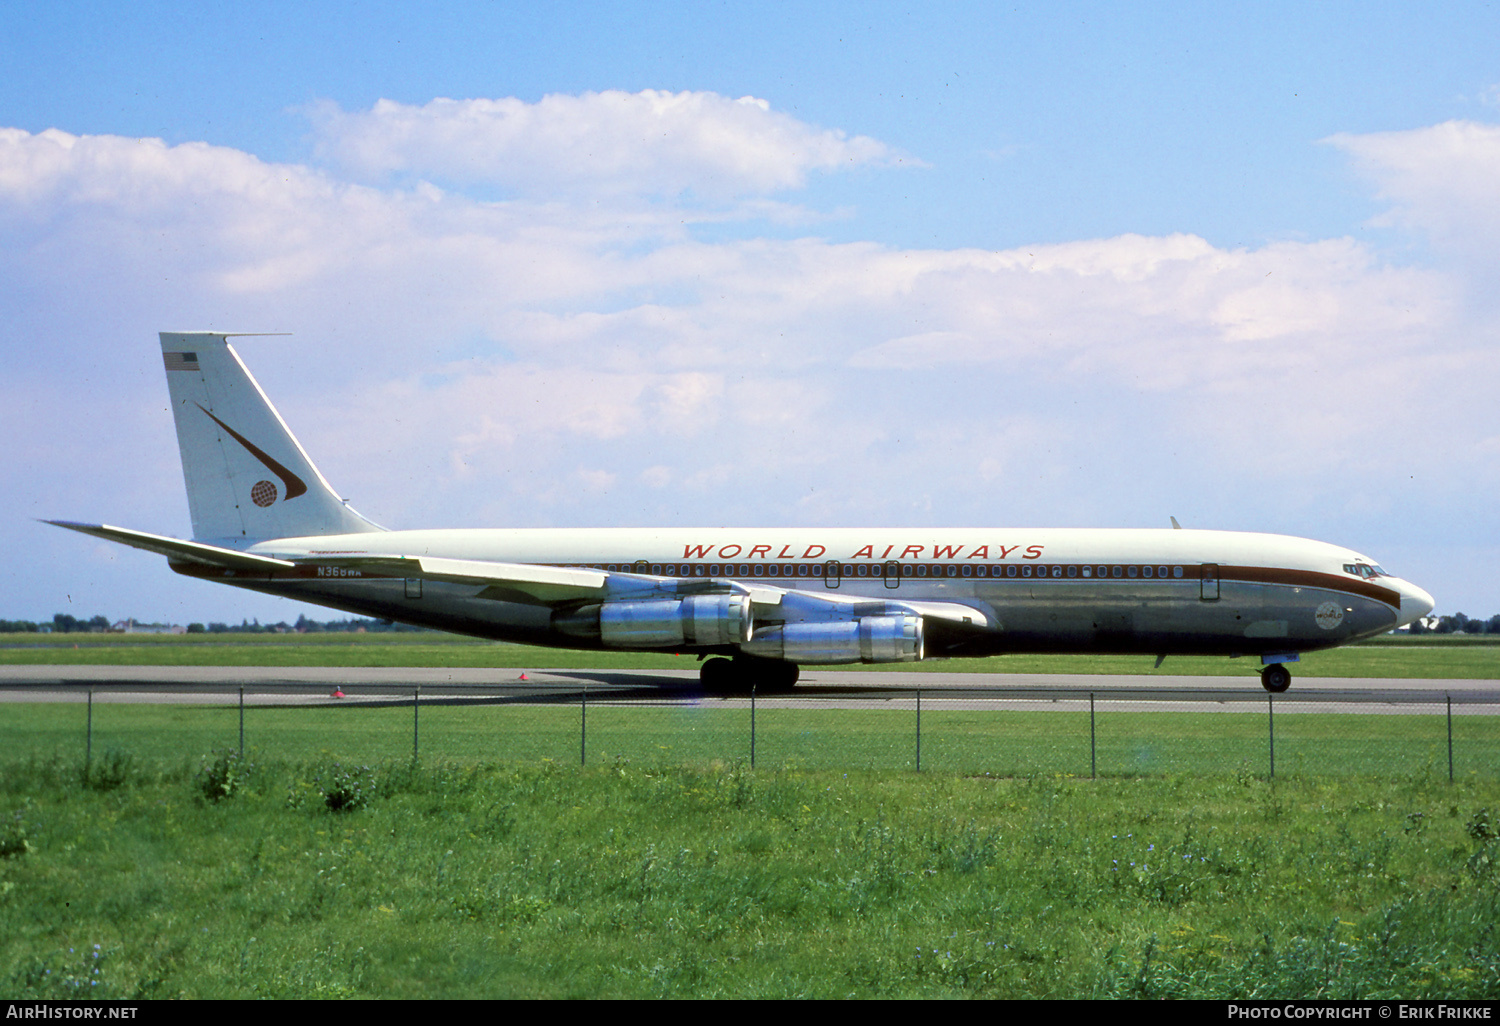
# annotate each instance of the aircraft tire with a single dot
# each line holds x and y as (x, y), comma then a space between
(1276, 678)
(718, 674)
(767, 675)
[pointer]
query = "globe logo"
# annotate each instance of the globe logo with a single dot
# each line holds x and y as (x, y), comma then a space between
(1329, 615)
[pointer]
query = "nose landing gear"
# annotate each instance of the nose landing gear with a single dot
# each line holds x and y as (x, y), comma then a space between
(1276, 678)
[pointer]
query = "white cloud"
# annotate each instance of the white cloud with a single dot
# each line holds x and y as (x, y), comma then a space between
(648, 143)
(1442, 180)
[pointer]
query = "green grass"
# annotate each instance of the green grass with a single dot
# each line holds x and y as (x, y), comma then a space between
(1443, 656)
(493, 879)
(1128, 740)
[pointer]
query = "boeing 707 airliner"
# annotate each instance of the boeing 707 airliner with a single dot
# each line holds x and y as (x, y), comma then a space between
(754, 604)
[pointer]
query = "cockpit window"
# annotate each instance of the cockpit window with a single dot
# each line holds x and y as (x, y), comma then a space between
(1365, 570)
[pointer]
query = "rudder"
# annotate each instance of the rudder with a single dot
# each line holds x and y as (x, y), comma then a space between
(247, 477)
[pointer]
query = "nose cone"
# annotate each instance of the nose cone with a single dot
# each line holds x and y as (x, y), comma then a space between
(1415, 604)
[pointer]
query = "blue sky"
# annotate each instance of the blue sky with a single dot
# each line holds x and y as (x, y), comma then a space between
(1068, 264)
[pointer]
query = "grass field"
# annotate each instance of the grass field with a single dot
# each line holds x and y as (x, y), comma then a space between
(1127, 739)
(497, 880)
(1446, 656)
(329, 863)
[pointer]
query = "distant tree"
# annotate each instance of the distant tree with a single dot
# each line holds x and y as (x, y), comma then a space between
(1493, 624)
(1451, 624)
(195, 628)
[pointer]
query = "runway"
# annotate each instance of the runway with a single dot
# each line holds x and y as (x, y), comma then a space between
(299, 685)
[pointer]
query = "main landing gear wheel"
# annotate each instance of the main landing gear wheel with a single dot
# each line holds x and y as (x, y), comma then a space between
(717, 674)
(741, 674)
(1276, 678)
(770, 674)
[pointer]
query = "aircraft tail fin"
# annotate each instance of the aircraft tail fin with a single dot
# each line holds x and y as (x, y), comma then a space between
(247, 477)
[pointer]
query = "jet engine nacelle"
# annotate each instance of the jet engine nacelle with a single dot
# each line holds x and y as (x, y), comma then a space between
(869, 639)
(708, 620)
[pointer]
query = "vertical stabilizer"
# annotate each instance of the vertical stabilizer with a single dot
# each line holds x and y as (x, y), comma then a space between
(247, 478)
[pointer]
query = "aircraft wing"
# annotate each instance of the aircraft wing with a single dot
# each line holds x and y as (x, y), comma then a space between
(545, 585)
(179, 550)
(512, 582)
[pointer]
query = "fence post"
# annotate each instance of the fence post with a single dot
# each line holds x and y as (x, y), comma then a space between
(416, 696)
(1271, 729)
(752, 726)
(1450, 738)
(242, 721)
(88, 747)
(1093, 745)
(919, 730)
(583, 727)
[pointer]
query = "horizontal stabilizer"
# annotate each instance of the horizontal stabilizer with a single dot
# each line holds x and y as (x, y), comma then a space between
(177, 549)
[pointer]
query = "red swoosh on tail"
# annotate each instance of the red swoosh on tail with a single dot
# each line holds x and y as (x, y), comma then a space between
(295, 486)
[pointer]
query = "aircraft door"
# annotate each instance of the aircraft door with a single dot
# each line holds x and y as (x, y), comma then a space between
(892, 574)
(832, 571)
(1208, 576)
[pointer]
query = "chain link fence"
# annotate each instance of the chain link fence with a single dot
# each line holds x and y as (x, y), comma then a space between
(996, 731)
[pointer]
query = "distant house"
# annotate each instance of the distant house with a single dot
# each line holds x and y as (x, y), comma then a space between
(131, 627)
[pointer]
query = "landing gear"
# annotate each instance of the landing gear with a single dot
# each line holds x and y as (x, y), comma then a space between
(717, 674)
(740, 674)
(1276, 678)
